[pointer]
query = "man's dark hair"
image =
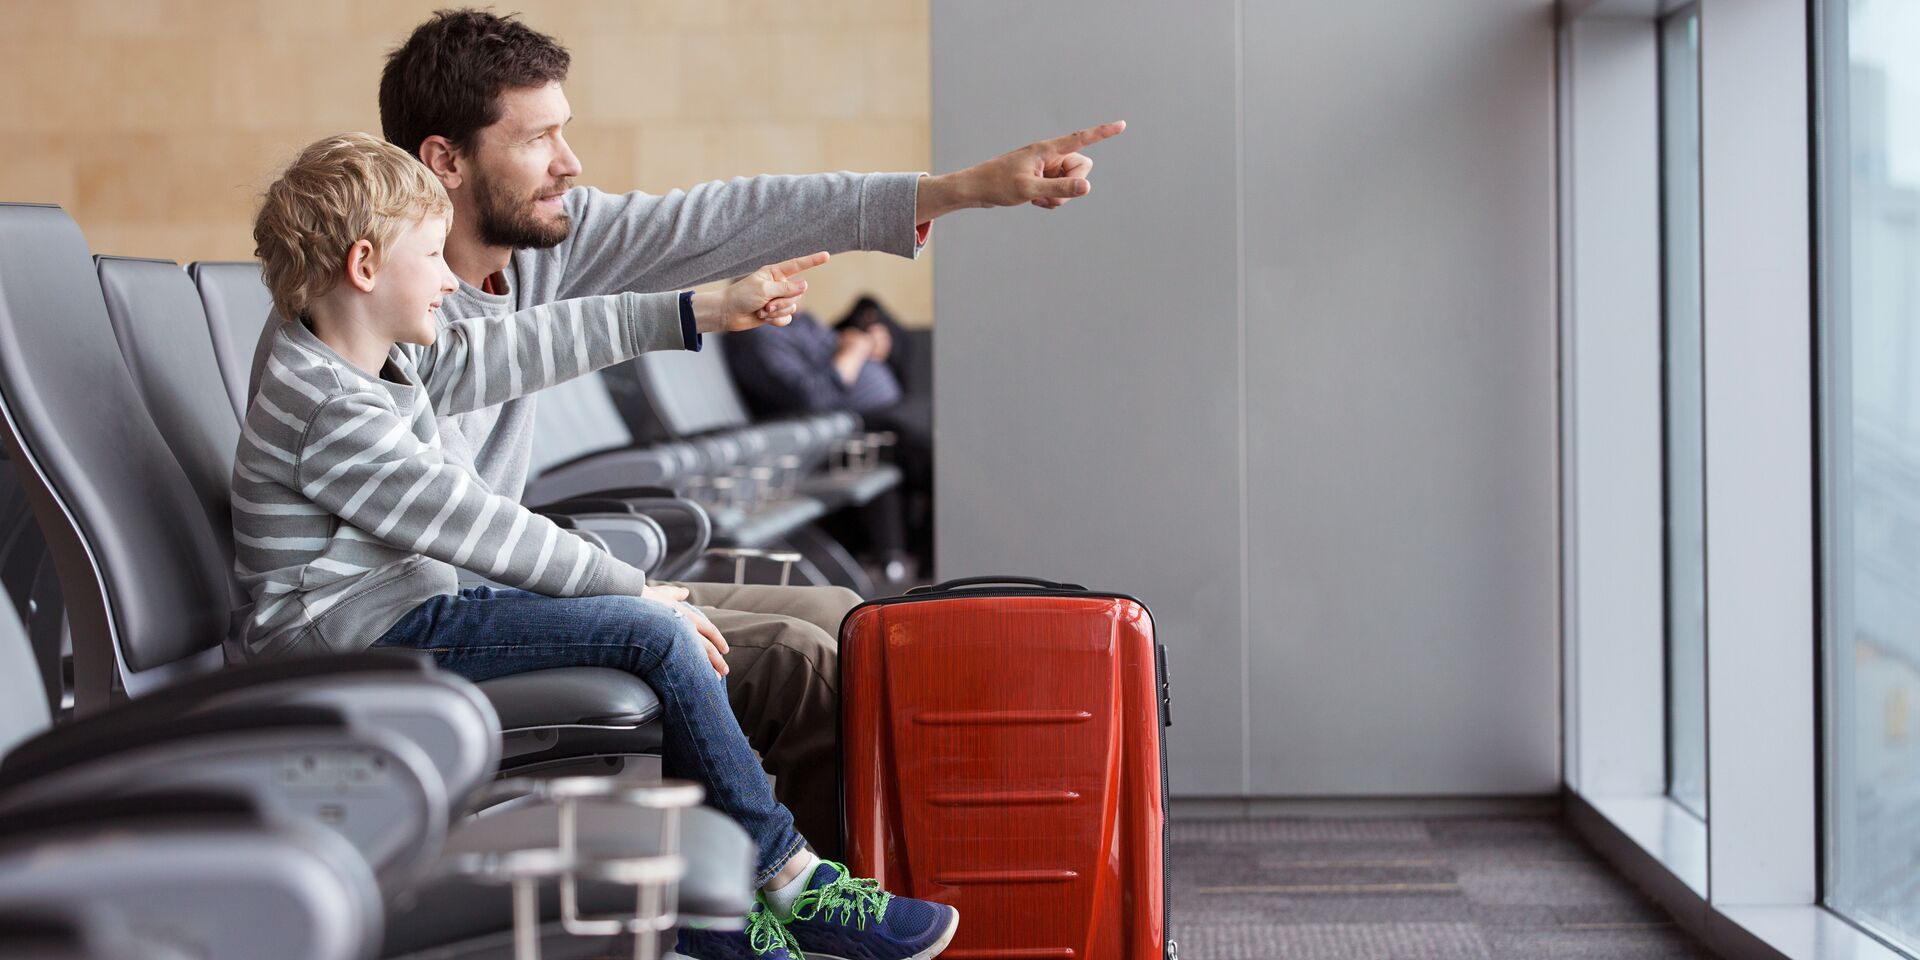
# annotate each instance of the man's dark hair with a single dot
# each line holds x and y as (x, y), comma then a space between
(447, 78)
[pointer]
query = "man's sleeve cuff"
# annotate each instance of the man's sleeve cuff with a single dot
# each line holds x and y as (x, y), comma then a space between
(689, 331)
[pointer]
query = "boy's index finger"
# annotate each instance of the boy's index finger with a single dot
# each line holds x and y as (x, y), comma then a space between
(798, 264)
(1088, 137)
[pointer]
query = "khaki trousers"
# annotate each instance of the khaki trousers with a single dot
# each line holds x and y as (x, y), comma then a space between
(784, 686)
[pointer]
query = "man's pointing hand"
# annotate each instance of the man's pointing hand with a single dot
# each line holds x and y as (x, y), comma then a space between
(1046, 174)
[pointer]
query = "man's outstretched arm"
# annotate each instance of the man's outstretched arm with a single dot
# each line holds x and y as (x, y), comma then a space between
(644, 243)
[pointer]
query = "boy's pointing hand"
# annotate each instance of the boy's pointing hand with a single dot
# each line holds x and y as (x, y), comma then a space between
(769, 295)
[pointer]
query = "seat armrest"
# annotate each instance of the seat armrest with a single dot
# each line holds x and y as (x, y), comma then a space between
(591, 476)
(372, 787)
(172, 886)
(162, 707)
(571, 696)
(688, 529)
(636, 539)
(111, 734)
(740, 555)
(629, 493)
(684, 525)
(134, 810)
(585, 506)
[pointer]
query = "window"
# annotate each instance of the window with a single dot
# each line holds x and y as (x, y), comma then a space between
(1870, 449)
(1683, 440)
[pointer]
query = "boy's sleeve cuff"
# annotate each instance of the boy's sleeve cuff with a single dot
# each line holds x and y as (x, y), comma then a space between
(689, 331)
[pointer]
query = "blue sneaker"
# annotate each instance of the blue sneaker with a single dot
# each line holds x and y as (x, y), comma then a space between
(765, 938)
(843, 918)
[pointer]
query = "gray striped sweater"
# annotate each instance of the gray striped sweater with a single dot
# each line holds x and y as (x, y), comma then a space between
(347, 513)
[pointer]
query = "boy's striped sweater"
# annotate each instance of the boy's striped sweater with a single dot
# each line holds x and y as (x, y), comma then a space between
(346, 512)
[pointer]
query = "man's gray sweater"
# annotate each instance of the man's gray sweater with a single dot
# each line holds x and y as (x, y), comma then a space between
(638, 242)
(347, 513)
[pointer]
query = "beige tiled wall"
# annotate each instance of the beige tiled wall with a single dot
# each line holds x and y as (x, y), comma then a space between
(158, 122)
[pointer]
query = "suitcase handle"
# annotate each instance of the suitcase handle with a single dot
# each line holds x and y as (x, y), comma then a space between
(949, 586)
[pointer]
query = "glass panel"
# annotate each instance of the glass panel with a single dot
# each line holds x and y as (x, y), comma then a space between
(1870, 407)
(1686, 571)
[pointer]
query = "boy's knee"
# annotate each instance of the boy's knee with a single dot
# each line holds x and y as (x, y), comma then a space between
(652, 624)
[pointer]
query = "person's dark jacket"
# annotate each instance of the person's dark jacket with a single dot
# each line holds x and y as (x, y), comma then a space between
(786, 370)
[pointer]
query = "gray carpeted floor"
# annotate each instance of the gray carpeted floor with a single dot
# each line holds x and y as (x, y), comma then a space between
(1481, 888)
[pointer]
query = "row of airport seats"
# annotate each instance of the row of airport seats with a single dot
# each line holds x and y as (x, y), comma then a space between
(334, 810)
(666, 429)
(676, 417)
(120, 438)
(823, 459)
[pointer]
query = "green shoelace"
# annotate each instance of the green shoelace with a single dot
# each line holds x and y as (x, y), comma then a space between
(765, 933)
(845, 900)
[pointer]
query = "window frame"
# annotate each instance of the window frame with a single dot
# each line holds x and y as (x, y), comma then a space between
(1762, 894)
(1663, 26)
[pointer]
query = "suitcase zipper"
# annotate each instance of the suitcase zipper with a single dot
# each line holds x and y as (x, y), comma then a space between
(1172, 949)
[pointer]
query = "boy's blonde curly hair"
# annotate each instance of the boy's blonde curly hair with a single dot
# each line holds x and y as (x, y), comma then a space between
(337, 192)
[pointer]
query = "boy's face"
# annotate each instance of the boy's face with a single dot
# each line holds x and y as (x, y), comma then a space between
(522, 166)
(410, 280)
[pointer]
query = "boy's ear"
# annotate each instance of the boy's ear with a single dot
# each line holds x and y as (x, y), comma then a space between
(438, 154)
(360, 265)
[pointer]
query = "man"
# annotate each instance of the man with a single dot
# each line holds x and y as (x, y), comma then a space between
(478, 98)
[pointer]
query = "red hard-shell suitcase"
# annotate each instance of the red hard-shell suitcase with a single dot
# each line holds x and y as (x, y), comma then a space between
(1004, 754)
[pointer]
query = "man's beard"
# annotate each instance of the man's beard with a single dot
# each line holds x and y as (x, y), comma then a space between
(511, 222)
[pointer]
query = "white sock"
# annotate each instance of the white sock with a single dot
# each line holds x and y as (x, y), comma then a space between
(781, 898)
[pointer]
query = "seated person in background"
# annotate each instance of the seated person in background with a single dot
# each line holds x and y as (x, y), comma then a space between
(349, 519)
(910, 420)
(899, 353)
(804, 367)
(807, 368)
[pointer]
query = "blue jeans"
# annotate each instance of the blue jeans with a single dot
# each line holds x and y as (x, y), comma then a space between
(488, 632)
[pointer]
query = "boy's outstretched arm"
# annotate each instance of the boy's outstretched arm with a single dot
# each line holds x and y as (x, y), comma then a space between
(482, 361)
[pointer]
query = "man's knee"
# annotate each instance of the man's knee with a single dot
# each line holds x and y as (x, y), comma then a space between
(827, 606)
(785, 650)
(840, 598)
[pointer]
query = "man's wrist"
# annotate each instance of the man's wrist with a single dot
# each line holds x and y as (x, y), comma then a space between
(939, 195)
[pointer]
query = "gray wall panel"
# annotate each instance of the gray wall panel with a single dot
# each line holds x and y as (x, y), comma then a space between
(1399, 210)
(1086, 373)
(1397, 388)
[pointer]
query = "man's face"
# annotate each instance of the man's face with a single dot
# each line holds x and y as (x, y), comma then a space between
(521, 166)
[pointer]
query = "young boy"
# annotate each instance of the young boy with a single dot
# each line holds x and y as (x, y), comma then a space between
(349, 521)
